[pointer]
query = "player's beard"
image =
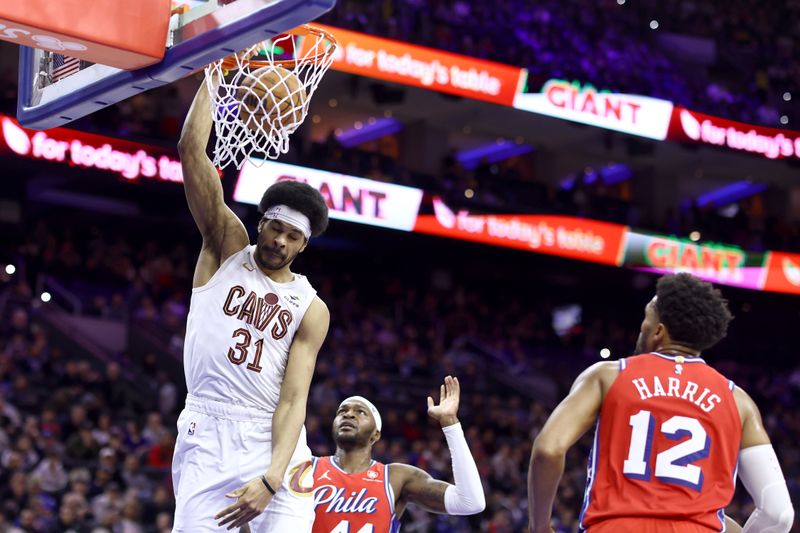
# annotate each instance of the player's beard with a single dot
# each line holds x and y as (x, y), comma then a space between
(638, 348)
(351, 440)
(270, 261)
(641, 345)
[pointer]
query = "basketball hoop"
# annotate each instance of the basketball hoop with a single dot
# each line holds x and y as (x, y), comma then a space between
(260, 96)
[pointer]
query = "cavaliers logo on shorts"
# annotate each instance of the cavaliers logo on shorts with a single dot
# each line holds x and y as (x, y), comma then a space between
(301, 482)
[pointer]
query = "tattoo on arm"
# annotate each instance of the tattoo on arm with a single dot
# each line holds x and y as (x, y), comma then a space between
(421, 489)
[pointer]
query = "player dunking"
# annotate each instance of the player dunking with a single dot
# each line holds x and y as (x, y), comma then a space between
(253, 333)
(354, 493)
(669, 431)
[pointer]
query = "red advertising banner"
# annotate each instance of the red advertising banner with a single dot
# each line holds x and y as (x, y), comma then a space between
(427, 68)
(690, 126)
(79, 149)
(574, 238)
(783, 273)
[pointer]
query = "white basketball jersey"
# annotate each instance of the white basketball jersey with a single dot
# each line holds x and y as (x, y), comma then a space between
(240, 327)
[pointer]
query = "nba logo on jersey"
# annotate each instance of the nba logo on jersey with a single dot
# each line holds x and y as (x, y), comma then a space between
(191, 428)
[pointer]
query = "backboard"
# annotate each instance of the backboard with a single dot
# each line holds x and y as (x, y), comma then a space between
(207, 32)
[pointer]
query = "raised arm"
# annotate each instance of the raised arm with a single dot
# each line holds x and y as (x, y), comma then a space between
(466, 496)
(761, 473)
(568, 422)
(222, 231)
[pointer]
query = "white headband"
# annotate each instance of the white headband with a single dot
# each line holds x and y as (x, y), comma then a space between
(286, 214)
(372, 409)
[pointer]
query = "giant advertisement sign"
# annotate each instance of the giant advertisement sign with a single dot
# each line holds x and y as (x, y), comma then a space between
(129, 160)
(637, 115)
(348, 197)
(392, 206)
(426, 68)
(772, 143)
(718, 263)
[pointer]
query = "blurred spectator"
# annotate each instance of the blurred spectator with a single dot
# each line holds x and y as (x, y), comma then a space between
(81, 446)
(51, 472)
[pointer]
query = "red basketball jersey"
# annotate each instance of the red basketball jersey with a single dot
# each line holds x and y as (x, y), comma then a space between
(353, 503)
(666, 444)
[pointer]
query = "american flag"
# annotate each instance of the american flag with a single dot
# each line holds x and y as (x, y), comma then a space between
(64, 66)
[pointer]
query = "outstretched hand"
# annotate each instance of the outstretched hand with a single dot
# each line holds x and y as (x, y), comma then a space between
(251, 500)
(449, 394)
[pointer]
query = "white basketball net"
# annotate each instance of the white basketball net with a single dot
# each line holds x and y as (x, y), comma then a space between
(257, 104)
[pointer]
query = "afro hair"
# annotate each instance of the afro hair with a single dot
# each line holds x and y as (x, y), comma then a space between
(301, 197)
(693, 311)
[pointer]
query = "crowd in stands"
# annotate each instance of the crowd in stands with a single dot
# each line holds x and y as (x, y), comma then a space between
(81, 450)
(86, 444)
(756, 49)
(611, 45)
(607, 43)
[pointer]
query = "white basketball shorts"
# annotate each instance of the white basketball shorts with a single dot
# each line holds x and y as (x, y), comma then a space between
(221, 447)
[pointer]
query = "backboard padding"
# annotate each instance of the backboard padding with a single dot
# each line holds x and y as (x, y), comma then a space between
(230, 28)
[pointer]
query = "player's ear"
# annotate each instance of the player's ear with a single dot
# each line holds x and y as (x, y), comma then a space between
(376, 436)
(305, 244)
(660, 335)
(260, 225)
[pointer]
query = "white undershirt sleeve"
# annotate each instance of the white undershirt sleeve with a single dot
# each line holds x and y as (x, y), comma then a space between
(762, 477)
(466, 496)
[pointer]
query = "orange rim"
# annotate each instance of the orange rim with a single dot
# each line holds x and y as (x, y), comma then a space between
(231, 62)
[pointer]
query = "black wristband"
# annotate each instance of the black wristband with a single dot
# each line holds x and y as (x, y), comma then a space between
(266, 484)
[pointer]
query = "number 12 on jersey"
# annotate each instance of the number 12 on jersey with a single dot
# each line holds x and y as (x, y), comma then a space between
(344, 527)
(673, 465)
